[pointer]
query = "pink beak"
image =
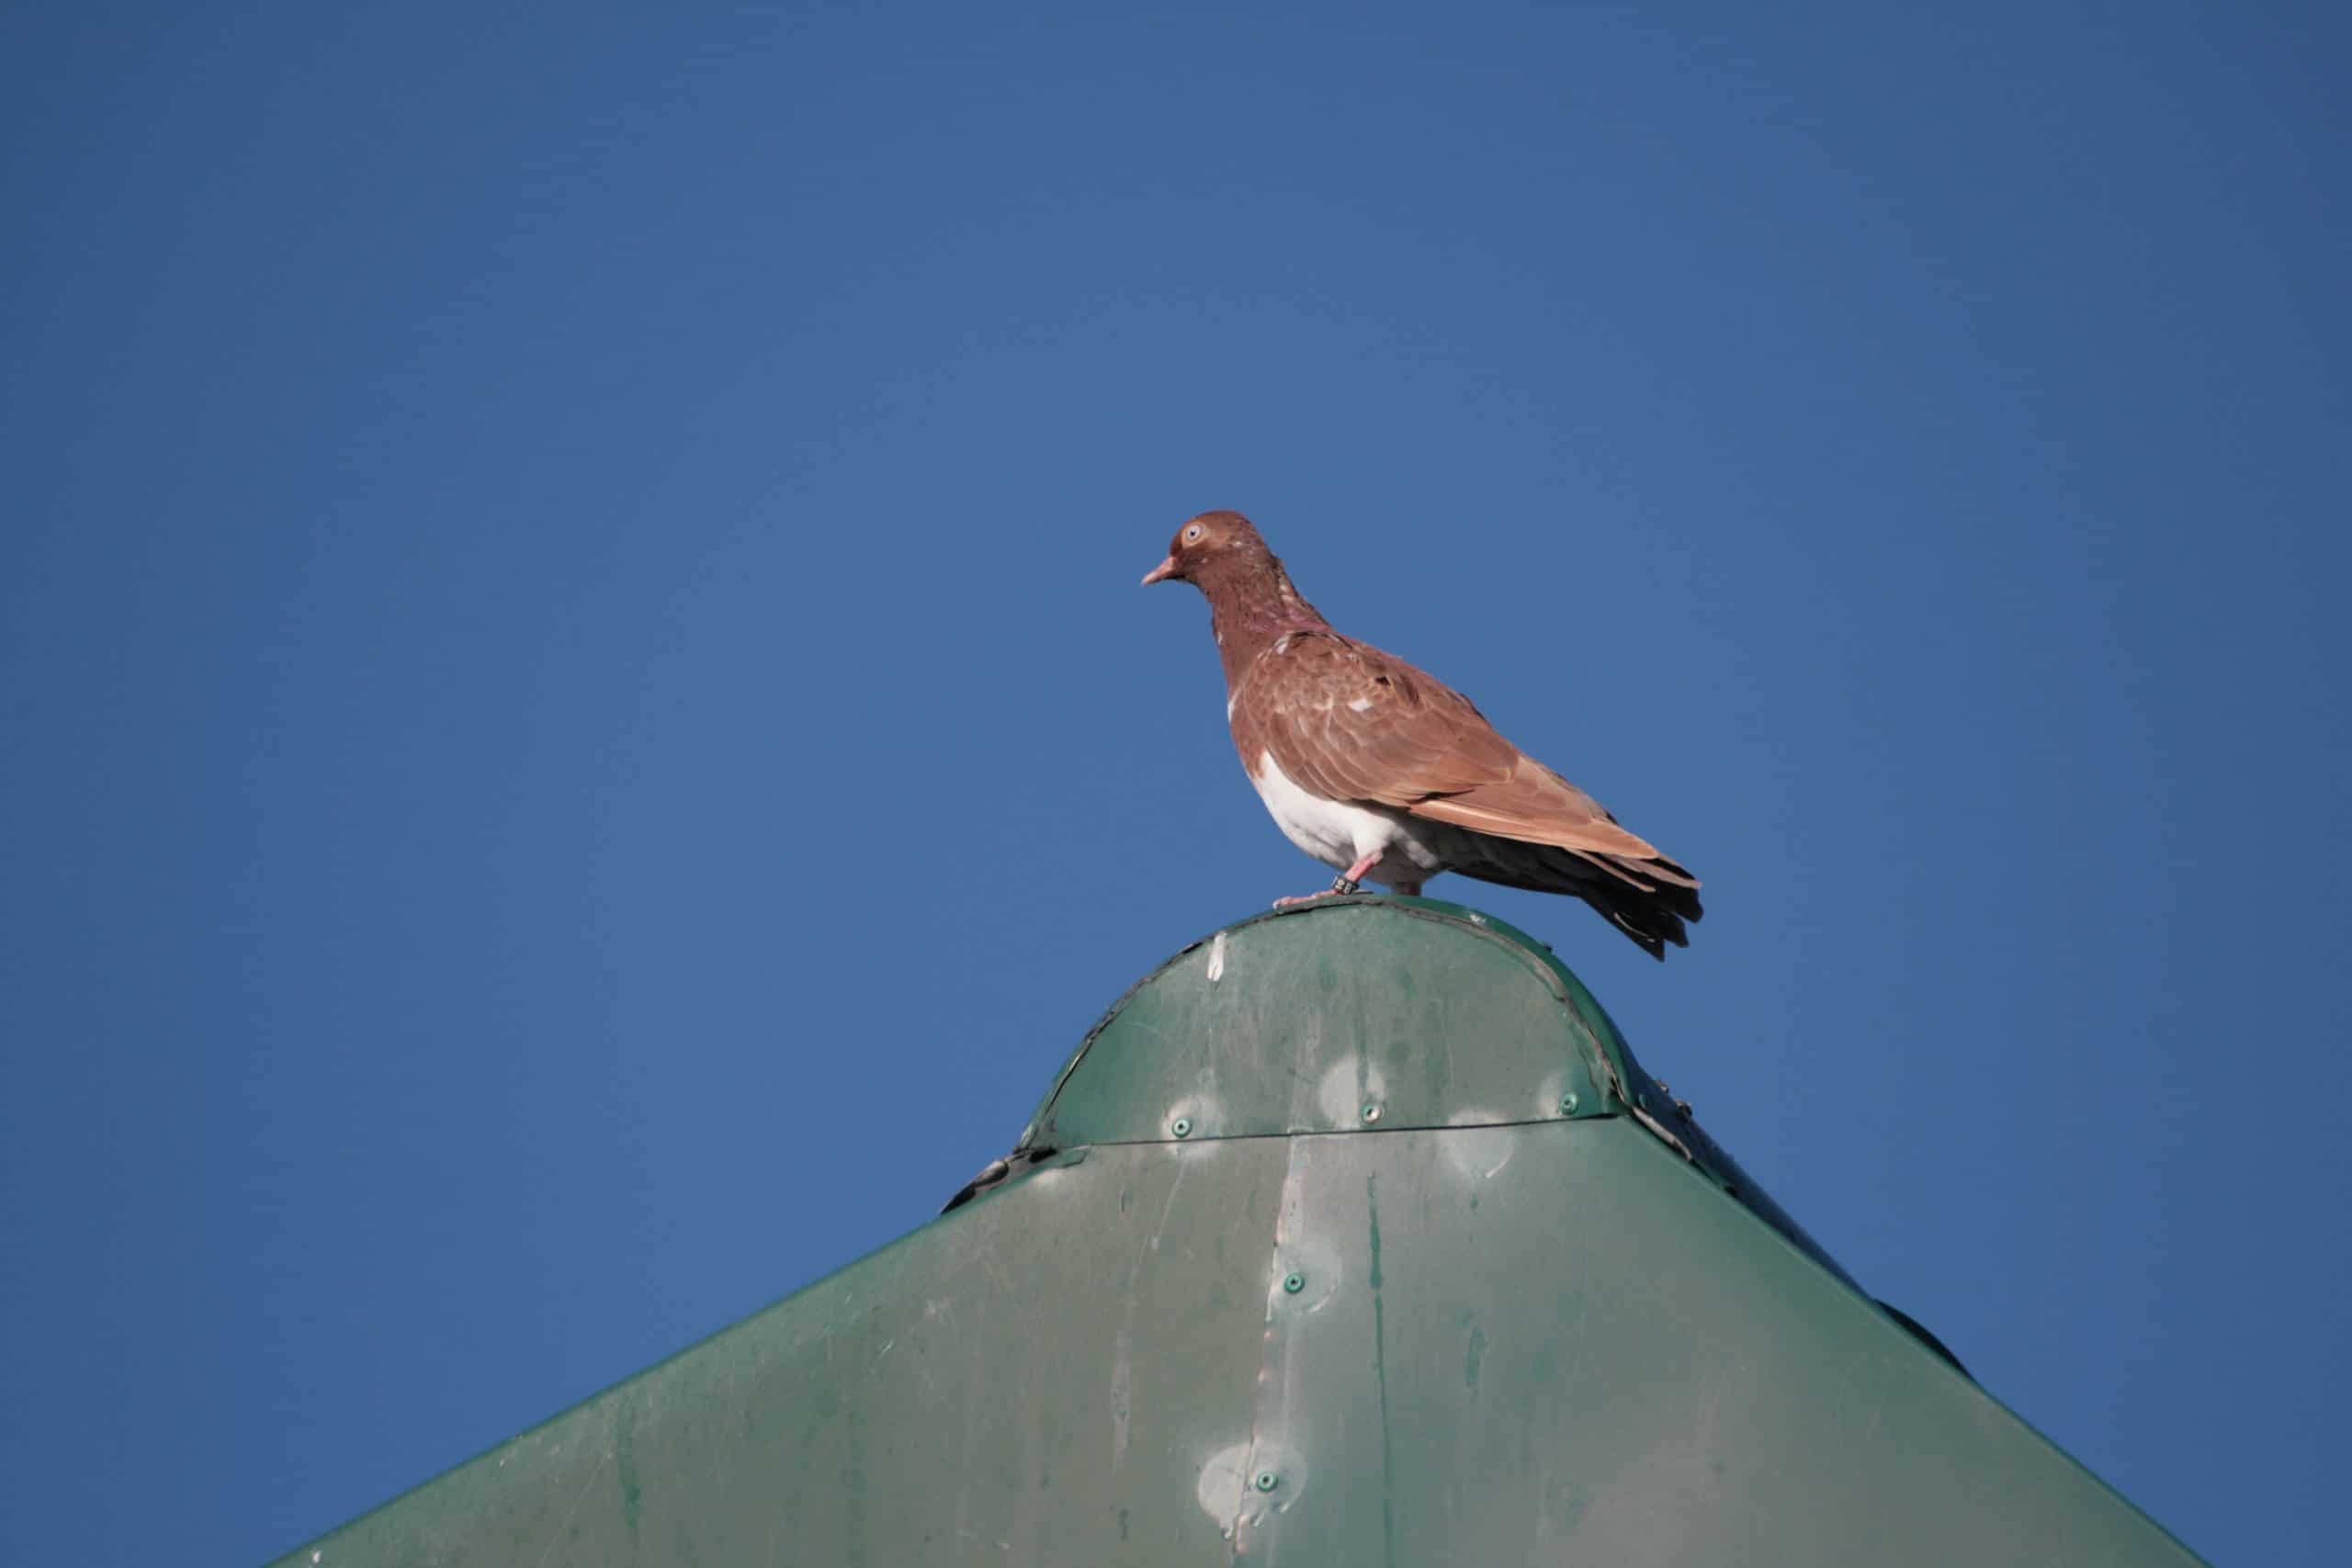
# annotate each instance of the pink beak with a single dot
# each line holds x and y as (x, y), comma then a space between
(1159, 573)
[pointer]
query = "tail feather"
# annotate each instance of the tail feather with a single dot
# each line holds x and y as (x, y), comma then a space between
(1649, 900)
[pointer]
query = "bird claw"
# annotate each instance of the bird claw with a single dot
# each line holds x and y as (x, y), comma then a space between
(1341, 887)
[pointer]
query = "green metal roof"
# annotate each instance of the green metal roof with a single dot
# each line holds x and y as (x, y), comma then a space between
(1296, 1022)
(1352, 1234)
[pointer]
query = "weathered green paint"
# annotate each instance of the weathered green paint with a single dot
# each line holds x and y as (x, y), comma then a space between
(1297, 1022)
(1513, 1336)
(1290, 1023)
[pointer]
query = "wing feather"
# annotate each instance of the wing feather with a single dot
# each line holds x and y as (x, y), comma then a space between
(1349, 722)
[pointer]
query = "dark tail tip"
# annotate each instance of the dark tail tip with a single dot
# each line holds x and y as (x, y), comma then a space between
(1649, 924)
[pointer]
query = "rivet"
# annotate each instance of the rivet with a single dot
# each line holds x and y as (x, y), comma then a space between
(1268, 1481)
(1569, 1103)
(1293, 1282)
(1372, 1112)
(1182, 1126)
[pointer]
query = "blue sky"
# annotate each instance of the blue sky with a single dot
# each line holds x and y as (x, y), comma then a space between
(581, 738)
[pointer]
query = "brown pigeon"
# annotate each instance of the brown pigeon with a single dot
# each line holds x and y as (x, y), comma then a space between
(1385, 772)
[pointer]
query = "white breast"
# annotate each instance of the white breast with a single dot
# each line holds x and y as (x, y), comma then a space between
(1337, 833)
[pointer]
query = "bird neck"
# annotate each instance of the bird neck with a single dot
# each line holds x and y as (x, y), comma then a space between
(1252, 608)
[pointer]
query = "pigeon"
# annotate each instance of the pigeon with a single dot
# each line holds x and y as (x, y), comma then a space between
(1385, 772)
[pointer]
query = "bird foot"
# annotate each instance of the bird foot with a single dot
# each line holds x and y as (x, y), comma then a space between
(1341, 887)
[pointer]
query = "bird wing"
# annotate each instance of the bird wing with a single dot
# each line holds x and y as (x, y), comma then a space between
(1349, 722)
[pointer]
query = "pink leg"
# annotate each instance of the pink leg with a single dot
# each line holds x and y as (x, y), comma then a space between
(1345, 883)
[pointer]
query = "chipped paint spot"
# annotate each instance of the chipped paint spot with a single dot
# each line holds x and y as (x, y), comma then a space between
(1321, 1271)
(1347, 1086)
(1216, 958)
(1477, 1145)
(1221, 1483)
(1229, 1493)
(1362, 705)
(1207, 1114)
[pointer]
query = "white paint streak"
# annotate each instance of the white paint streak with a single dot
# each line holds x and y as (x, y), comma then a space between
(1122, 1399)
(1216, 958)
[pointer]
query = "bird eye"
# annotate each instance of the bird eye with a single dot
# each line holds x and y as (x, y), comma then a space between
(1193, 535)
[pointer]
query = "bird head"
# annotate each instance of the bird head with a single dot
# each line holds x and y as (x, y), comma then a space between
(1210, 542)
